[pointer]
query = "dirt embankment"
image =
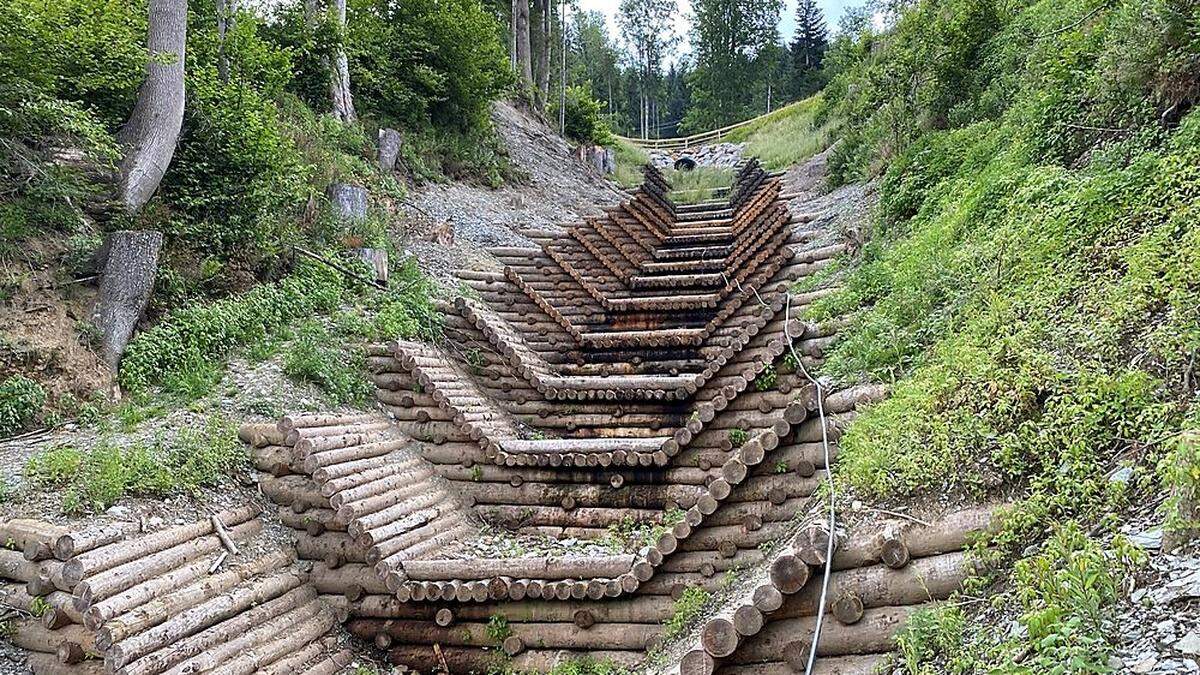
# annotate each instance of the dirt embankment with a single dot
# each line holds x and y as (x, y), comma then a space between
(556, 190)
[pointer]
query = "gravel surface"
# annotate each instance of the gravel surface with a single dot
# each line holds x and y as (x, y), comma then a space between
(558, 191)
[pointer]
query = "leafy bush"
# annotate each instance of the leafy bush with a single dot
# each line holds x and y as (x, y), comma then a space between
(21, 399)
(314, 356)
(95, 479)
(188, 338)
(584, 118)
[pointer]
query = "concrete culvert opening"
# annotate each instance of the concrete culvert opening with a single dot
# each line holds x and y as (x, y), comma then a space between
(685, 163)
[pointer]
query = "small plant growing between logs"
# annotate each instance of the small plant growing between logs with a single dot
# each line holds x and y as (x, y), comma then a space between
(685, 610)
(476, 473)
(781, 466)
(738, 437)
(38, 607)
(497, 628)
(766, 379)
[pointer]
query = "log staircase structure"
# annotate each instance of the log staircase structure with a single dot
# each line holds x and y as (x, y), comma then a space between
(620, 414)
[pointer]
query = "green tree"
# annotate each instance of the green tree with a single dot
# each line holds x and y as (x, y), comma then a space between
(646, 26)
(808, 47)
(728, 38)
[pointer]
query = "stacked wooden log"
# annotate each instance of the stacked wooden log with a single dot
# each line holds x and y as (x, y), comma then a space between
(207, 594)
(881, 572)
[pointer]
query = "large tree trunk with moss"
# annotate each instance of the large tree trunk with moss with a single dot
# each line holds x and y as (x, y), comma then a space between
(150, 135)
(339, 71)
(520, 11)
(125, 288)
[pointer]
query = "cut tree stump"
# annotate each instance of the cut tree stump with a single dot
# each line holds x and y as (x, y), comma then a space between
(125, 288)
(389, 149)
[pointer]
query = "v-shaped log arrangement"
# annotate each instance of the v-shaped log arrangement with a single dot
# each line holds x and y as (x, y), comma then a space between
(615, 417)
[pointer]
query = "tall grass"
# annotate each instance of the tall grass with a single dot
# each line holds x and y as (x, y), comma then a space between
(701, 184)
(787, 136)
(630, 160)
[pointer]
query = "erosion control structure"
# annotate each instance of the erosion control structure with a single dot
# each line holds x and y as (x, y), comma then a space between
(618, 415)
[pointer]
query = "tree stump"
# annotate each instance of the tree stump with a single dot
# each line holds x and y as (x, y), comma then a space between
(125, 289)
(389, 149)
(377, 258)
(349, 202)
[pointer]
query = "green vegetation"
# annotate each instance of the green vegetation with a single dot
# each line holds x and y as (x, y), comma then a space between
(97, 478)
(1029, 281)
(315, 356)
(630, 534)
(497, 628)
(21, 399)
(630, 160)
(584, 121)
(188, 344)
(738, 437)
(685, 610)
(766, 379)
(787, 136)
(701, 184)
(588, 666)
(1061, 594)
(1179, 471)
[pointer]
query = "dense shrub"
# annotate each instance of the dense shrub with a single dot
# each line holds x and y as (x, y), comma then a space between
(584, 119)
(190, 337)
(21, 399)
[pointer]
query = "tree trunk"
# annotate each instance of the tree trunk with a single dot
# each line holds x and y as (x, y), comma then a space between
(339, 72)
(125, 288)
(524, 55)
(543, 52)
(225, 19)
(150, 135)
(389, 149)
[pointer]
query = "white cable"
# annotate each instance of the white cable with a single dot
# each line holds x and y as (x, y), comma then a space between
(787, 322)
(812, 652)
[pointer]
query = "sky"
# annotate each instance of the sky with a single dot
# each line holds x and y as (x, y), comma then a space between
(833, 10)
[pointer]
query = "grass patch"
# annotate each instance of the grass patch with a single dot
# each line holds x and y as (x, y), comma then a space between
(316, 356)
(701, 184)
(787, 136)
(97, 478)
(630, 160)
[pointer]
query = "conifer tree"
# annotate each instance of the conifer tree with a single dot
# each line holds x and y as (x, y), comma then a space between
(808, 47)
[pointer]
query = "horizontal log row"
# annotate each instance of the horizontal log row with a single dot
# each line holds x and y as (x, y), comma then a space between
(113, 598)
(879, 572)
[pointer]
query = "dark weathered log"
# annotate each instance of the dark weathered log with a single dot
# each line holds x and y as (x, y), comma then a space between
(564, 635)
